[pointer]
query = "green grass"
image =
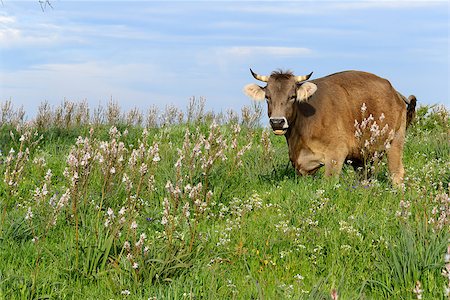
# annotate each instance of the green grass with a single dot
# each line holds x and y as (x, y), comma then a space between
(264, 233)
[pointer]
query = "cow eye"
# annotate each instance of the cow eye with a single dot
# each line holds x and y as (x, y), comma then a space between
(293, 98)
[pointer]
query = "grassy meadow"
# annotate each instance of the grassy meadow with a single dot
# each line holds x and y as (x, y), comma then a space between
(190, 204)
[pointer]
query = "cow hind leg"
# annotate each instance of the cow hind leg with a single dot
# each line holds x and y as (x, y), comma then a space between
(395, 158)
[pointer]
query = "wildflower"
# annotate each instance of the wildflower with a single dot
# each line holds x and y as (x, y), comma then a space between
(347, 228)
(110, 212)
(405, 210)
(417, 290)
(127, 245)
(125, 292)
(447, 255)
(127, 181)
(135, 265)
(169, 187)
(63, 200)
(363, 108)
(299, 277)
(48, 175)
(29, 214)
(113, 131)
(334, 295)
(51, 201)
(133, 225)
(178, 163)
(143, 169)
(122, 211)
(186, 211)
(72, 161)
(44, 190)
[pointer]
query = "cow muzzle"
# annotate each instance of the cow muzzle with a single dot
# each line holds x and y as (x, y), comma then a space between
(279, 125)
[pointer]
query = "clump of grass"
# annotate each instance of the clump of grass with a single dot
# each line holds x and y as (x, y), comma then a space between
(11, 116)
(18, 157)
(413, 256)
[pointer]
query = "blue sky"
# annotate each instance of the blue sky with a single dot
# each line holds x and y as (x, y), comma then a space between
(152, 52)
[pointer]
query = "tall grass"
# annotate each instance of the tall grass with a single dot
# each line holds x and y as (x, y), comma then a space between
(184, 204)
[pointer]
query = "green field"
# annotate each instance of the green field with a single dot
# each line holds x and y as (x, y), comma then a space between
(98, 204)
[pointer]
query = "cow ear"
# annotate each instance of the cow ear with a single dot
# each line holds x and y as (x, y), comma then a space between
(306, 90)
(254, 91)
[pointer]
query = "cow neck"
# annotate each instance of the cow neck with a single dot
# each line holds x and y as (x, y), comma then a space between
(293, 134)
(297, 138)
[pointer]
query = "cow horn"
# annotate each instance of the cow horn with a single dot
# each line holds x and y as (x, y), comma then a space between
(260, 77)
(302, 78)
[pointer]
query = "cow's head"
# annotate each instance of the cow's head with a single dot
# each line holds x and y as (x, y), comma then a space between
(282, 91)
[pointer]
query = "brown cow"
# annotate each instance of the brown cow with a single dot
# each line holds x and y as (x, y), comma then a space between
(325, 120)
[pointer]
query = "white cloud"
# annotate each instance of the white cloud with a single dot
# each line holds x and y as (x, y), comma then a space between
(96, 81)
(247, 51)
(15, 33)
(326, 6)
(6, 20)
(388, 4)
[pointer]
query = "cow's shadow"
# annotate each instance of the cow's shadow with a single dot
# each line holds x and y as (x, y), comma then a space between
(279, 172)
(284, 171)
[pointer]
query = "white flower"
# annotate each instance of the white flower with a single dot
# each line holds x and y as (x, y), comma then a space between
(133, 225)
(299, 277)
(110, 212)
(143, 169)
(125, 178)
(186, 211)
(49, 175)
(363, 108)
(126, 245)
(178, 163)
(122, 211)
(29, 214)
(447, 257)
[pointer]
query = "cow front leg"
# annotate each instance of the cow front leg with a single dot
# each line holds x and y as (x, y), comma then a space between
(334, 162)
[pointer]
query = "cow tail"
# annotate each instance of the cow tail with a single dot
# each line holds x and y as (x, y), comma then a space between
(410, 110)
